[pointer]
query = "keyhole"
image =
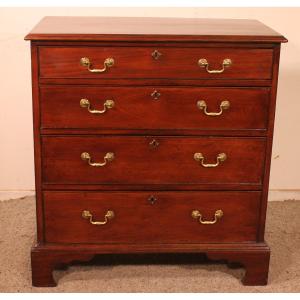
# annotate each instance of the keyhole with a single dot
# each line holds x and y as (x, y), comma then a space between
(152, 199)
(156, 54)
(155, 95)
(154, 143)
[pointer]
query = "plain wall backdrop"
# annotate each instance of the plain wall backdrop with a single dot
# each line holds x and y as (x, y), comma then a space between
(16, 137)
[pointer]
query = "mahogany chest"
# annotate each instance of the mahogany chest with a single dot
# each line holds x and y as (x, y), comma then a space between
(152, 135)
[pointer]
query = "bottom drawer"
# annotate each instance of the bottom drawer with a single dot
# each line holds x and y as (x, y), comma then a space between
(143, 217)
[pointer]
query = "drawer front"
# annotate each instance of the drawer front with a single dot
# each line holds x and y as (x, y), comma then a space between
(152, 160)
(141, 62)
(145, 108)
(142, 217)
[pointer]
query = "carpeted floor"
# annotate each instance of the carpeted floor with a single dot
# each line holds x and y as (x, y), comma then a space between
(17, 231)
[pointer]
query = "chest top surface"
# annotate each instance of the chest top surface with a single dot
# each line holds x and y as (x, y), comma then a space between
(152, 29)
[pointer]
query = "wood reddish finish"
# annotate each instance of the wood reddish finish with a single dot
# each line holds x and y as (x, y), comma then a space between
(168, 210)
(138, 162)
(152, 29)
(60, 108)
(137, 62)
(66, 185)
(255, 259)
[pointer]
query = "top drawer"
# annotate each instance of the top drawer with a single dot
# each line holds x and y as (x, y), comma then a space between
(147, 62)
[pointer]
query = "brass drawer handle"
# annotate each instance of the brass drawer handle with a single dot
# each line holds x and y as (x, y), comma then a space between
(199, 157)
(86, 214)
(203, 106)
(109, 156)
(197, 215)
(202, 62)
(108, 104)
(85, 61)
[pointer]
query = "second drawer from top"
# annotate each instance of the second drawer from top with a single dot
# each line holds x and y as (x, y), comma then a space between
(150, 108)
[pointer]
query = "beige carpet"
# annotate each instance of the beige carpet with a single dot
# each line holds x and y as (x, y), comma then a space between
(17, 231)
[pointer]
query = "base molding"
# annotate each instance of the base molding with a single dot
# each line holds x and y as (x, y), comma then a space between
(254, 257)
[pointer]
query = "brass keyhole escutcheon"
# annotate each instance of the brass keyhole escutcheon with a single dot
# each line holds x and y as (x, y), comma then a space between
(154, 143)
(156, 54)
(152, 199)
(155, 95)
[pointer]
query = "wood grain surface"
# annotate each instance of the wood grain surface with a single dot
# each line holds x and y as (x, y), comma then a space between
(158, 29)
(137, 108)
(140, 219)
(137, 62)
(137, 162)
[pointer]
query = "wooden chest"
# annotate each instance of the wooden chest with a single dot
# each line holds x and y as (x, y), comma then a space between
(152, 136)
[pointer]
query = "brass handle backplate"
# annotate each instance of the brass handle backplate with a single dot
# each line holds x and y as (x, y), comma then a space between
(203, 106)
(202, 62)
(108, 63)
(108, 104)
(109, 156)
(200, 158)
(197, 215)
(86, 214)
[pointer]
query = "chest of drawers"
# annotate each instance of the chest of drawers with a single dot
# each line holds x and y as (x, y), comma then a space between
(152, 136)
